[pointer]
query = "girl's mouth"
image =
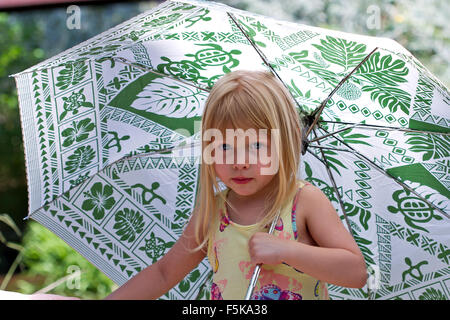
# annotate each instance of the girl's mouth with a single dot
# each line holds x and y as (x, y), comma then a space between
(241, 180)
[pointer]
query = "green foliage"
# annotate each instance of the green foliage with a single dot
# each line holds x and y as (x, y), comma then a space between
(342, 52)
(129, 223)
(435, 147)
(45, 254)
(383, 71)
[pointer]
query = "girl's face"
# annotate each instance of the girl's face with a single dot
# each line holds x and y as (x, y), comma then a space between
(239, 158)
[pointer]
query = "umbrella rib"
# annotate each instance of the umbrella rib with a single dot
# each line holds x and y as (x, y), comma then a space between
(146, 69)
(333, 182)
(363, 157)
(316, 114)
(333, 133)
(113, 163)
(374, 126)
(262, 56)
(329, 148)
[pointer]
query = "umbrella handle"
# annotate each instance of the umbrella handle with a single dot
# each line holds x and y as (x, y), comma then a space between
(257, 270)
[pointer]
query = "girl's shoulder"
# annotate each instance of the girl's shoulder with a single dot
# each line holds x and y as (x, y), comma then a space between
(301, 184)
(310, 196)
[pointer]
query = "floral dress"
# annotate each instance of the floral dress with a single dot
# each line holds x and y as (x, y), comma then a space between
(230, 261)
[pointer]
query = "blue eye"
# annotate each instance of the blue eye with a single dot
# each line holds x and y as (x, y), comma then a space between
(257, 145)
(225, 146)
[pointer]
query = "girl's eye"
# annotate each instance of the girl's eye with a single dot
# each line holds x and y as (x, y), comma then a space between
(257, 145)
(226, 146)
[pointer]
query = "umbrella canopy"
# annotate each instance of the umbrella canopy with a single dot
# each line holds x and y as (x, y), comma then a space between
(111, 135)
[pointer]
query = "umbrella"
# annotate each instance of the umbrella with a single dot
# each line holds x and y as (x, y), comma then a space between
(111, 135)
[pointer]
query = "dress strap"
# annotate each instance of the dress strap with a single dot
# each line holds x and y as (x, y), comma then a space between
(294, 209)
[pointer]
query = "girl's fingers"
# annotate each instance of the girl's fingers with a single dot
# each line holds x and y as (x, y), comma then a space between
(263, 248)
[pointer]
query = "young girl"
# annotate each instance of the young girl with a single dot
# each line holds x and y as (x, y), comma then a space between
(310, 246)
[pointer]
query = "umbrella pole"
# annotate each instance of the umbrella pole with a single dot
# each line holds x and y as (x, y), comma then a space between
(257, 270)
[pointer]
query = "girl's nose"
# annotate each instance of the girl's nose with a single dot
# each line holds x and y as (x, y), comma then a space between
(240, 166)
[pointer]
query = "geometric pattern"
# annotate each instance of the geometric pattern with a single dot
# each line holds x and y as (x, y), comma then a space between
(111, 130)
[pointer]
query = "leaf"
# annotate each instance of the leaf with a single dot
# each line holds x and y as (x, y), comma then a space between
(432, 294)
(81, 158)
(362, 244)
(63, 115)
(341, 52)
(383, 71)
(332, 161)
(355, 138)
(315, 67)
(6, 219)
(390, 97)
(72, 74)
(308, 170)
(434, 146)
(364, 215)
(170, 98)
(129, 223)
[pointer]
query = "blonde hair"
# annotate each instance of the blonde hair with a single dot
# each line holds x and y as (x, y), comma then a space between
(259, 100)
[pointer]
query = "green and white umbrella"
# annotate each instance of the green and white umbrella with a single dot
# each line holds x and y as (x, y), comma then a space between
(112, 146)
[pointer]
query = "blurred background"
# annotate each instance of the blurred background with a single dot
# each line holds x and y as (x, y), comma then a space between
(31, 257)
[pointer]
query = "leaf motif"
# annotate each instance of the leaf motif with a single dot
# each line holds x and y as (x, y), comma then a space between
(315, 67)
(308, 170)
(432, 294)
(389, 97)
(364, 215)
(128, 224)
(363, 246)
(383, 71)
(354, 138)
(81, 158)
(434, 146)
(170, 98)
(342, 52)
(332, 161)
(72, 74)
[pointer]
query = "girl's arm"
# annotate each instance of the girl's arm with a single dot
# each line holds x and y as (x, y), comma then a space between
(160, 277)
(337, 258)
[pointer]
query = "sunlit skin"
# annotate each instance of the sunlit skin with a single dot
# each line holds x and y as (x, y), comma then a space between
(249, 195)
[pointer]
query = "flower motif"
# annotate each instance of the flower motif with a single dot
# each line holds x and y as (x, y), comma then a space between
(78, 132)
(99, 199)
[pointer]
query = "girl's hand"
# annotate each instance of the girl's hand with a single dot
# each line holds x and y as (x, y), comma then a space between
(266, 248)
